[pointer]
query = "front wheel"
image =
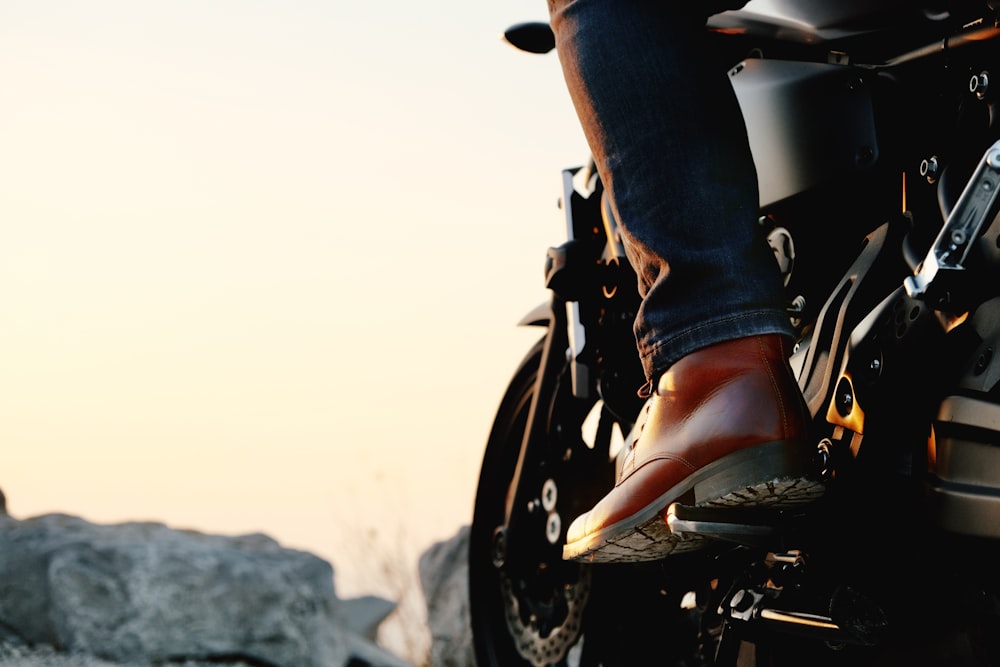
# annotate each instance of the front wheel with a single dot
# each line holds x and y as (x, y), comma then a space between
(530, 607)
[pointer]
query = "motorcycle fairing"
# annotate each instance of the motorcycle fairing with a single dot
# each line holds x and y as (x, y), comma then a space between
(808, 123)
(819, 21)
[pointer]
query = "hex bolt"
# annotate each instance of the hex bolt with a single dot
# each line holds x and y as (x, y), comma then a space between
(844, 397)
(553, 528)
(979, 84)
(983, 362)
(550, 493)
(929, 168)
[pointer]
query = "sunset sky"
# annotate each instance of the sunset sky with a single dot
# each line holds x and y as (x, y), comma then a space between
(261, 261)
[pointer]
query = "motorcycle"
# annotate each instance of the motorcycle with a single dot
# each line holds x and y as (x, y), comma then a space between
(875, 129)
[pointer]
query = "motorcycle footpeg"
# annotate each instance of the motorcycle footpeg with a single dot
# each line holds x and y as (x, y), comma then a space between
(749, 526)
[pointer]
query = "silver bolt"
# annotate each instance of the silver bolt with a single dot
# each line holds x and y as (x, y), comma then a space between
(979, 84)
(550, 493)
(929, 168)
(553, 528)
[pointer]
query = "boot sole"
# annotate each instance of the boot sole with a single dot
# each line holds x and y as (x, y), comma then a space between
(773, 475)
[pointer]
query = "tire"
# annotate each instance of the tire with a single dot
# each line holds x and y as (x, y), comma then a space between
(546, 611)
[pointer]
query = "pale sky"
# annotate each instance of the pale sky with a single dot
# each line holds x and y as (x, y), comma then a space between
(261, 261)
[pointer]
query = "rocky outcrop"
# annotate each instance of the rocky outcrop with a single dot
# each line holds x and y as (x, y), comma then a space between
(142, 593)
(444, 573)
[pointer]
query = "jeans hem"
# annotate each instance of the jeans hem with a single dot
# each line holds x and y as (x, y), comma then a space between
(658, 355)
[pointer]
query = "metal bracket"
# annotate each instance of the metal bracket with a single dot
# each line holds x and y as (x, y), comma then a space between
(978, 204)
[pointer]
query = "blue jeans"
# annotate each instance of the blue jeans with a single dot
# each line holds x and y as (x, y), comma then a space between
(670, 144)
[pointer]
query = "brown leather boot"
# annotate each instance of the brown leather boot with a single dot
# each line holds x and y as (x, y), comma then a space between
(726, 427)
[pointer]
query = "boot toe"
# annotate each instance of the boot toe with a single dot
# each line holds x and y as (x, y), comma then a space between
(726, 427)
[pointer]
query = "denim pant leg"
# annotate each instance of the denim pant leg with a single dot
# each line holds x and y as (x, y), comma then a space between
(661, 118)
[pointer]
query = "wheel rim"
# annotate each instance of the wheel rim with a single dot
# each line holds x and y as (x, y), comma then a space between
(531, 613)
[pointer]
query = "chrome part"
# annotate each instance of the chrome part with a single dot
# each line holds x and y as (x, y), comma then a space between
(930, 168)
(760, 605)
(783, 247)
(800, 618)
(743, 604)
(553, 528)
(550, 494)
(976, 207)
(795, 309)
(579, 372)
(749, 605)
(979, 84)
(566, 203)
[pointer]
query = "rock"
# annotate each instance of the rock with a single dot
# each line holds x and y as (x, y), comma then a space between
(366, 654)
(444, 572)
(363, 616)
(366, 613)
(141, 593)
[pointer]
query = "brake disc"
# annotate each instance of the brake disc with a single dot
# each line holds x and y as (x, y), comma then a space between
(544, 628)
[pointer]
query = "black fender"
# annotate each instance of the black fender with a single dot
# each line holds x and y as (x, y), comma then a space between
(539, 316)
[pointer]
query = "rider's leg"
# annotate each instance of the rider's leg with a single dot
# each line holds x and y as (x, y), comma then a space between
(726, 418)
